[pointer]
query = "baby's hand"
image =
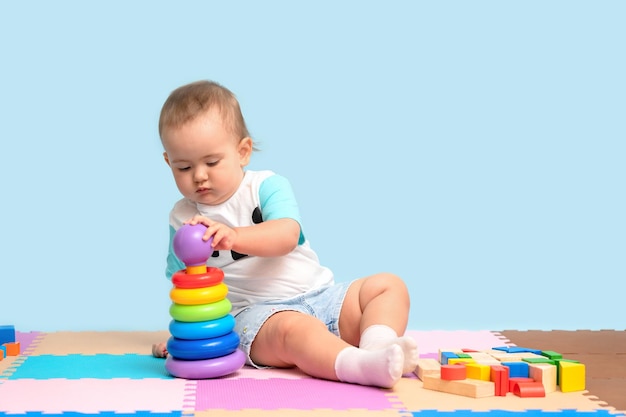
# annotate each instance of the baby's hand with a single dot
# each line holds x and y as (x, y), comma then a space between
(159, 350)
(224, 237)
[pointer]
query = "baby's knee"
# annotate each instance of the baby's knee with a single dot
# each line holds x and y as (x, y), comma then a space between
(388, 281)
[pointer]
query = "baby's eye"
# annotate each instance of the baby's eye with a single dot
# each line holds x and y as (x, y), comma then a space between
(182, 169)
(212, 163)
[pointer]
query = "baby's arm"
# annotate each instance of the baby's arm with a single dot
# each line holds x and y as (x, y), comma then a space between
(269, 238)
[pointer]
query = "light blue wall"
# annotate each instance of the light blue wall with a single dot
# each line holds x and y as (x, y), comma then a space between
(475, 148)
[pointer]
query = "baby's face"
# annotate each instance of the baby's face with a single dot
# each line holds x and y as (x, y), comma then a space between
(206, 159)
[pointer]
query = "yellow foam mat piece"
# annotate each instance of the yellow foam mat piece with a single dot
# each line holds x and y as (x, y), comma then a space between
(92, 343)
(414, 398)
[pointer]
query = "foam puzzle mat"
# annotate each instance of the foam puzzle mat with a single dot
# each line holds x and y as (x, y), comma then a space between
(114, 374)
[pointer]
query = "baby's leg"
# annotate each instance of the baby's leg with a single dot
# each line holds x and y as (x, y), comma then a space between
(375, 311)
(290, 338)
(380, 336)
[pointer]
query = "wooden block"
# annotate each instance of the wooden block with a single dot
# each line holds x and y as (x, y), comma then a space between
(516, 380)
(541, 359)
(13, 349)
(572, 376)
(7, 334)
(453, 372)
(544, 373)
(427, 366)
(528, 355)
(454, 361)
(473, 388)
(478, 371)
(551, 354)
(517, 369)
(529, 389)
(484, 358)
(520, 349)
(500, 377)
(445, 356)
(505, 357)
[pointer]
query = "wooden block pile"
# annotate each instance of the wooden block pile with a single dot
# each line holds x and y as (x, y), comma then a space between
(8, 345)
(502, 370)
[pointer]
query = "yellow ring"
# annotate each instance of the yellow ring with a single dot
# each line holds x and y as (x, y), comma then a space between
(196, 296)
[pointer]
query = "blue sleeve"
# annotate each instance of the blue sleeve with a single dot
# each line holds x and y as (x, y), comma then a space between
(279, 202)
(173, 263)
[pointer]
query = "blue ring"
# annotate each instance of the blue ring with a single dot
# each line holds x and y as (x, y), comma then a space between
(193, 350)
(202, 329)
(208, 368)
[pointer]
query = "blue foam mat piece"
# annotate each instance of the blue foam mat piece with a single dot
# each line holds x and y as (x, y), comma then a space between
(526, 413)
(101, 366)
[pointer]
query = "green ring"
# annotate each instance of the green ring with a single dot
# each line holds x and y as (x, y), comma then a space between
(202, 312)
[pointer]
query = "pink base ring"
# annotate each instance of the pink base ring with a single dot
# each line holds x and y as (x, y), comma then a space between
(206, 368)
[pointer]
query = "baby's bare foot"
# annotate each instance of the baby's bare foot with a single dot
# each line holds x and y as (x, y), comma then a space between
(159, 350)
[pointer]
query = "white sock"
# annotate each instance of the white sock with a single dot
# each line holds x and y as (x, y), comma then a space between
(380, 336)
(381, 368)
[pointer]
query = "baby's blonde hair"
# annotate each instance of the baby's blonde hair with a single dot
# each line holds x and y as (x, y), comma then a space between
(191, 100)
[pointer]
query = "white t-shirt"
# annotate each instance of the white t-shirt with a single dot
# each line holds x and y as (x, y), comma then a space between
(262, 195)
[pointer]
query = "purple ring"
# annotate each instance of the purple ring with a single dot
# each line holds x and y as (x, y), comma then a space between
(207, 368)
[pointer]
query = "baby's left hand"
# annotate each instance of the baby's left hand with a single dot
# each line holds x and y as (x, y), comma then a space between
(159, 350)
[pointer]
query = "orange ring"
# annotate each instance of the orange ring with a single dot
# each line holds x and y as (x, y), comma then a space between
(195, 296)
(212, 276)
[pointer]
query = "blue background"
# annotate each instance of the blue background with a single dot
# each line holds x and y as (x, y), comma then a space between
(476, 148)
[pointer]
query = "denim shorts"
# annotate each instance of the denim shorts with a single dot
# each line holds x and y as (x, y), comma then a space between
(323, 303)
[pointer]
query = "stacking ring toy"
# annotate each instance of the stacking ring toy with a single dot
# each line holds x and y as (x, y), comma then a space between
(195, 296)
(212, 276)
(202, 329)
(202, 312)
(203, 349)
(208, 368)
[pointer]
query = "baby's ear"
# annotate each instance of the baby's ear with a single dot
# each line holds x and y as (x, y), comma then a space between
(167, 160)
(245, 151)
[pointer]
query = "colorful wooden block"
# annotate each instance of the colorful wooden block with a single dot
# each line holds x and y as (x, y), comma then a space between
(551, 354)
(519, 349)
(516, 380)
(478, 371)
(7, 334)
(473, 388)
(427, 366)
(541, 359)
(500, 377)
(12, 349)
(445, 356)
(529, 389)
(544, 373)
(453, 372)
(455, 361)
(572, 376)
(484, 358)
(517, 369)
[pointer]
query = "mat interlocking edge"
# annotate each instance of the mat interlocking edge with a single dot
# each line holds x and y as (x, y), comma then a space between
(104, 373)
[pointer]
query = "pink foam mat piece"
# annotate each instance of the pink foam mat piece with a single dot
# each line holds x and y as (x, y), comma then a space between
(294, 394)
(268, 373)
(92, 395)
(433, 340)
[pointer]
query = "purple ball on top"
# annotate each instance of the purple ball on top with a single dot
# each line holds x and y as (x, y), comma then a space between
(189, 246)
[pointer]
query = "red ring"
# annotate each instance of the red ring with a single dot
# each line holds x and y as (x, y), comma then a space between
(212, 276)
